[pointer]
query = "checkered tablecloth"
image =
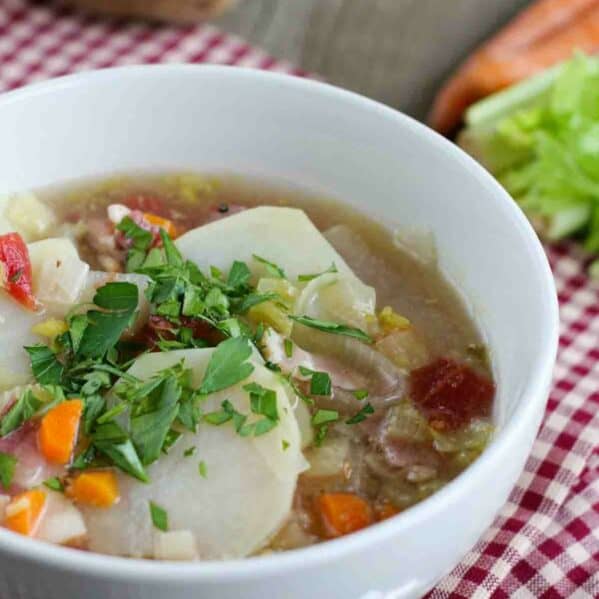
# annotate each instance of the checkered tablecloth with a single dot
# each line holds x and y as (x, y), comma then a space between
(545, 542)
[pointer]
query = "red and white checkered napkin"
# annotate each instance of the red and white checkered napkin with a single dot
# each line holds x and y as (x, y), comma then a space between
(545, 542)
(38, 42)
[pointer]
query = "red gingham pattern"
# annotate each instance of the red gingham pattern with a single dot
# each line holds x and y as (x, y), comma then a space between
(545, 541)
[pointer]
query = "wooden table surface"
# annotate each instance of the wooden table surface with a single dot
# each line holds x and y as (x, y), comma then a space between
(396, 51)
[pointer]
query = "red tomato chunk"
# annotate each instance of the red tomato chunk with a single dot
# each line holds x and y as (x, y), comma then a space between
(15, 269)
(451, 394)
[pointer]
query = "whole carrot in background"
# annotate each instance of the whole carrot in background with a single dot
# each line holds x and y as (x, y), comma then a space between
(542, 35)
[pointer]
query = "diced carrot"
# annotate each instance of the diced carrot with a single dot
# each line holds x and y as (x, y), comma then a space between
(24, 512)
(385, 510)
(58, 431)
(97, 488)
(163, 223)
(542, 35)
(342, 513)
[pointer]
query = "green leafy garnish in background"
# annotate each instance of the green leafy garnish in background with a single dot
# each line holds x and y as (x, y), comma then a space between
(540, 138)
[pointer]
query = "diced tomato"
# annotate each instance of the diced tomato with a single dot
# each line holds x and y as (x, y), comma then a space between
(146, 202)
(15, 268)
(450, 394)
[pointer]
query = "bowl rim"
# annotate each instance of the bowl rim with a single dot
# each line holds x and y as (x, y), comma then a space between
(534, 393)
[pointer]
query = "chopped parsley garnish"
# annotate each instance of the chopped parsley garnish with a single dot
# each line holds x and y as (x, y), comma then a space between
(54, 484)
(21, 411)
(239, 275)
(285, 444)
(330, 269)
(104, 328)
(263, 402)
(361, 415)
(288, 345)
(321, 420)
(45, 366)
(320, 382)
(324, 417)
(171, 438)
(228, 365)
(189, 451)
(271, 268)
(332, 327)
(360, 394)
(7, 469)
(159, 517)
(141, 241)
(202, 469)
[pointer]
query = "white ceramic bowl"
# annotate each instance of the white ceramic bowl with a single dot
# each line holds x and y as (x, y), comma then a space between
(386, 164)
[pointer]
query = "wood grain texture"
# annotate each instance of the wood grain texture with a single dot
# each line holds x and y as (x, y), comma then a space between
(396, 51)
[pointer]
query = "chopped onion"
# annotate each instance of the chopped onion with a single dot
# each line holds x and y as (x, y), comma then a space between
(117, 212)
(339, 298)
(330, 459)
(62, 522)
(58, 273)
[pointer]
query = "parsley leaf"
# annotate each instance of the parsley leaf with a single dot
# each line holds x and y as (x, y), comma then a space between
(271, 268)
(263, 401)
(54, 484)
(239, 275)
(332, 327)
(288, 344)
(320, 382)
(150, 427)
(361, 415)
(111, 440)
(7, 468)
(22, 410)
(46, 368)
(360, 394)
(159, 517)
(203, 469)
(189, 451)
(330, 269)
(253, 299)
(324, 417)
(228, 365)
(104, 328)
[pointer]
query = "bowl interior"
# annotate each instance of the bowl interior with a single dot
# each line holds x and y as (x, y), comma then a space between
(326, 140)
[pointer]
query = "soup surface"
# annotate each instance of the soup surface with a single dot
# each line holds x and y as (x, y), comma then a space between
(194, 368)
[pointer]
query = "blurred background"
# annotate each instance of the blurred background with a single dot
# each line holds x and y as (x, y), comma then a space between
(396, 51)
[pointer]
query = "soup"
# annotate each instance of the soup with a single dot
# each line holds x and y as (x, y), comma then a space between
(195, 368)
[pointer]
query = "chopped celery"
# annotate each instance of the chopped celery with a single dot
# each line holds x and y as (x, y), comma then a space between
(540, 138)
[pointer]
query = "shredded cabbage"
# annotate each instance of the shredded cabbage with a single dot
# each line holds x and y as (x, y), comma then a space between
(540, 138)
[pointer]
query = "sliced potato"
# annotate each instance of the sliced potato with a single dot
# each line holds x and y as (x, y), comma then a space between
(285, 236)
(249, 484)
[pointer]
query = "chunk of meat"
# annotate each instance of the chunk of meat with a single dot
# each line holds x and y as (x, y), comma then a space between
(450, 394)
